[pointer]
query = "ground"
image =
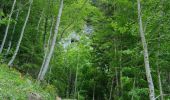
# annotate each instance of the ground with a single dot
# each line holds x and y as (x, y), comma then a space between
(15, 86)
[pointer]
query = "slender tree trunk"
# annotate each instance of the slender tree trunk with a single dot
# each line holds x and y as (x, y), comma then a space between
(13, 31)
(117, 81)
(76, 78)
(158, 69)
(9, 47)
(158, 54)
(111, 89)
(94, 89)
(132, 98)
(120, 65)
(146, 56)
(45, 32)
(47, 48)
(69, 82)
(46, 25)
(7, 28)
(21, 36)
(46, 65)
(75, 88)
(39, 22)
(160, 84)
(116, 68)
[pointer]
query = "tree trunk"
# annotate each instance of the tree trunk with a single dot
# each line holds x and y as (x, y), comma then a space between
(46, 64)
(94, 89)
(21, 36)
(111, 89)
(44, 34)
(7, 28)
(76, 78)
(160, 84)
(75, 83)
(13, 31)
(132, 98)
(47, 47)
(158, 69)
(120, 65)
(117, 82)
(39, 22)
(146, 56)
(158, 54)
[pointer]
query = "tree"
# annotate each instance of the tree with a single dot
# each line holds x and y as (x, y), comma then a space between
(21, 35)
(49, 55)
(10, 42)
(7, 28)
(158, 54)
(146, 56)
(100, 50)
(47, 48)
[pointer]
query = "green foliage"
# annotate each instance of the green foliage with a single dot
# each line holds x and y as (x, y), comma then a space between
(13, 85)
(108, 62)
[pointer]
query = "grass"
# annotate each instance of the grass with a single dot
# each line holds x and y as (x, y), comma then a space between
(14, 86)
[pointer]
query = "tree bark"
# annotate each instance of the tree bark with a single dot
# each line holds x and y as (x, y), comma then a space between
(46, 65)
(13, 31)
(111, 89)
(94, 89)
(39, 22)
(45, 32)
(158, 69)
(21, 36)
(132, 98)
(7, 28)
(158, 54)
(160, 85)
(47, 48)
(120, 65)
(76, 78)
(146, 56)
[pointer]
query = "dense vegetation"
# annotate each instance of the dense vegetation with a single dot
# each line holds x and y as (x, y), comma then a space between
(15, 86)
(86, 49)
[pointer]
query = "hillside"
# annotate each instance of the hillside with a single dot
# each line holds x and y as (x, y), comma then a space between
(85, 49)
(14, 86)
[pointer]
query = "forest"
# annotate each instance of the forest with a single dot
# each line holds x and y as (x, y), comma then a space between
(84, 50)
